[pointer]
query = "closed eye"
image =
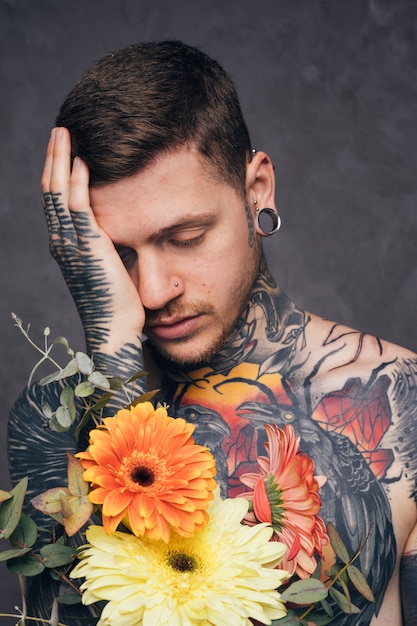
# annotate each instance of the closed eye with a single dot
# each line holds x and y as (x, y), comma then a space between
(194, 241)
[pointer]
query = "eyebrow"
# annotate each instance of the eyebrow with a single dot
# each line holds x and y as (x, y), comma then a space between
(187, 221)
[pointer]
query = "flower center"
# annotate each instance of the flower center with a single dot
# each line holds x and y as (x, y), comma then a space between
(142, 475)
(143, 471)
(182, 562)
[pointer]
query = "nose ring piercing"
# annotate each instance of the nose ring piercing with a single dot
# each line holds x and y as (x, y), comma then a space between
(176, 284)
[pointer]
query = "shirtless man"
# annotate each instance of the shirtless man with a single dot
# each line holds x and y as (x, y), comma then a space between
(155, 202)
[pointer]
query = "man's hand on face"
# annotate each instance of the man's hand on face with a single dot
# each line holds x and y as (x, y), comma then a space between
(105, 296)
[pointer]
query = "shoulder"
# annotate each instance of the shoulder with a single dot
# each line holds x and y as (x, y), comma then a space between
(345, 352)
(367, 386)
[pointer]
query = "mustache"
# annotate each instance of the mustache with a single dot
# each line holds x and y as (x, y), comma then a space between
(177, 308)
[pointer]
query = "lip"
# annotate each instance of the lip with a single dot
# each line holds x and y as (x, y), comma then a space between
(173, 328)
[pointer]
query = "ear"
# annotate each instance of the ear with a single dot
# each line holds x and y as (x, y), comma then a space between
(260, 182)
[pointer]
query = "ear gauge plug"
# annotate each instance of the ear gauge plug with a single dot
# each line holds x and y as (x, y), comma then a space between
(273, 217)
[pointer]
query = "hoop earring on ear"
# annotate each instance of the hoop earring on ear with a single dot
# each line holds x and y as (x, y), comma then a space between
(275, 218)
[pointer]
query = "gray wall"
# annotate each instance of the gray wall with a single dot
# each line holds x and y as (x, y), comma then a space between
(329, 90)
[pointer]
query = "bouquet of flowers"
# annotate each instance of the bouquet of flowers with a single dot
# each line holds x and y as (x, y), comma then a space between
(160, 546)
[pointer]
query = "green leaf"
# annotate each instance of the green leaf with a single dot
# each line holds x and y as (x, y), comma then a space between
(67, 396)
(49, 378)
(64, 342)
(63, 417)
(342, 602)
(53, 618)
(307, 591)
(84, 389)
(50, 502)
(337, 544)
(69, 598)
(116, 382)
(83, 421)
(11, 510)
(359, 582)
(78, 509)
(85, 364)
(343, 584)
(46, 409)
(326, 607)
(57, 554)
(25, 533)
(145, 397)
(139, 374)
(76, 483)
(69, 370)
(27, 565)
(101, 403)
(99, 380)
(13, 553)
(56, 426)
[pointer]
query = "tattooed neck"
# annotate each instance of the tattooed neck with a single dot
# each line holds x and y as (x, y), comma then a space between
(270, 324)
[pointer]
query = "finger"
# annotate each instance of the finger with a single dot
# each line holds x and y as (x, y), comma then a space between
(79, 201)
(46, 173)
(61, 166)
(79, 191)
(47, 203)
(55, 186)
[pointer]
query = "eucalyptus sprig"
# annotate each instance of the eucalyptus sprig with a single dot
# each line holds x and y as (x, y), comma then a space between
(310, 597)
(84, 386)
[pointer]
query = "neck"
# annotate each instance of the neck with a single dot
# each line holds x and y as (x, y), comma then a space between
(270, 324)
(269, 327)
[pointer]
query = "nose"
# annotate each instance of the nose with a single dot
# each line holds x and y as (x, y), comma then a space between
(158, 282)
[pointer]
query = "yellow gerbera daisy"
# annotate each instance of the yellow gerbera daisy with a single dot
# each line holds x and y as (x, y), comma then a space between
(147, 470)
(222, 575)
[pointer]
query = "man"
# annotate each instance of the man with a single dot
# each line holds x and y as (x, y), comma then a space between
(156, 206)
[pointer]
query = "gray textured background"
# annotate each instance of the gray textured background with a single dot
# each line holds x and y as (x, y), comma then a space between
(328, 88)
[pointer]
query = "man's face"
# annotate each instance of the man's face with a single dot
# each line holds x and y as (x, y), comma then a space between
(184, 239)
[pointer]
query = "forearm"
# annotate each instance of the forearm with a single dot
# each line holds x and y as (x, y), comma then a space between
(34, 449)
(126, 363)
(123, 362)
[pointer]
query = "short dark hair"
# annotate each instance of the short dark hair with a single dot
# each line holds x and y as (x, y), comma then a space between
(148, 98)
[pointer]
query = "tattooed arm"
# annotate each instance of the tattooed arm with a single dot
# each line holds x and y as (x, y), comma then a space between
(107, 301)
(112, 317)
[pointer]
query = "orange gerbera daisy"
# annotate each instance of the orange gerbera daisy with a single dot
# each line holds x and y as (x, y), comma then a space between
(285, 494)
(146, 470)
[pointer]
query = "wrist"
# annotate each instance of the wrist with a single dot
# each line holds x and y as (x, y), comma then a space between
(123, 359)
